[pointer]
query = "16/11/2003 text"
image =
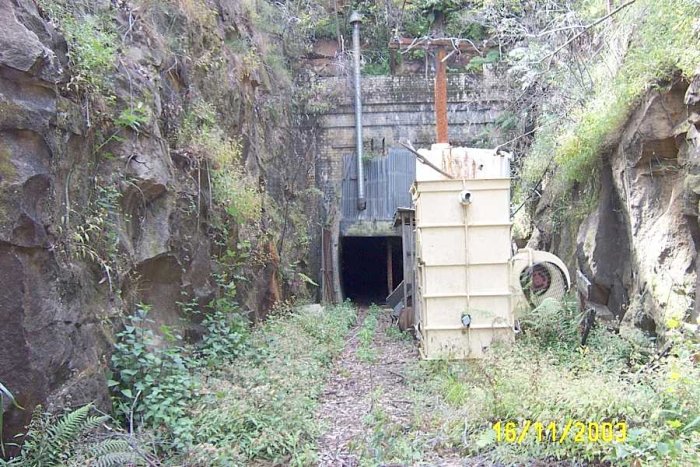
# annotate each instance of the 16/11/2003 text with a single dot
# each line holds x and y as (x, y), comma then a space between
(553, 432)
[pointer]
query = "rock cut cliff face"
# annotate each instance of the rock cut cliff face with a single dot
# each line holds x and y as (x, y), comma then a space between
(98, 216)
(639, 243)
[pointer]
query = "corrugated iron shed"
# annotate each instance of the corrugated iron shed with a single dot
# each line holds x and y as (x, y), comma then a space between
(388, 180)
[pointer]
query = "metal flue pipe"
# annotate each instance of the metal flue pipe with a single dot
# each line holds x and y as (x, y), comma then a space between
(441, 97)
(356, 21)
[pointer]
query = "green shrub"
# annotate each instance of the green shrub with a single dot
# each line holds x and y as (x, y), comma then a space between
(152, 383)
(49, 442)
(476, 64)
(227, 333)
(380, 68)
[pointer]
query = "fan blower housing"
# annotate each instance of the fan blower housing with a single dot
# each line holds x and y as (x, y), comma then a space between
(536, 276)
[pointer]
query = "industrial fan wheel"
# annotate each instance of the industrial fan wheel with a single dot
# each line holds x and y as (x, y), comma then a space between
(539, 275)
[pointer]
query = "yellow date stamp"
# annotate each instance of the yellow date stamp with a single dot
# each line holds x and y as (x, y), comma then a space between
(573, 431)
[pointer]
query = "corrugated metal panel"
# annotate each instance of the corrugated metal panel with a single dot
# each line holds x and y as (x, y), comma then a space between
(388, 180)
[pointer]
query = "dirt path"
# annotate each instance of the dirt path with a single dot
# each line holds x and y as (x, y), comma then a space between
(358, 387)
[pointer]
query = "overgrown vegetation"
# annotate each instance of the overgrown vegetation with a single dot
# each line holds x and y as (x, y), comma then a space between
(579, 69)
(91, 39)
(547, 377)
(262, 406)
(663, 45)
(384, 440)
(256, 404)
(245, 395)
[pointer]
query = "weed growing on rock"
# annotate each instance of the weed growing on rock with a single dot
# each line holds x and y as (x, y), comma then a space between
(91, 42)
(219, 156)
(95, 238)
(133, 117)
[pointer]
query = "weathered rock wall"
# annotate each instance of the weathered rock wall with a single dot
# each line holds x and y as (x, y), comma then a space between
(96, 216)
(639, 242)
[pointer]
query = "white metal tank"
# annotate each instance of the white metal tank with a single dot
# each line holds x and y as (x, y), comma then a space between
(463, 252)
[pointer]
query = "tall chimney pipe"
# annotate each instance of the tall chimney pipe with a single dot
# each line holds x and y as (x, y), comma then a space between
(356, 20)
(441, 97)
(440, 81)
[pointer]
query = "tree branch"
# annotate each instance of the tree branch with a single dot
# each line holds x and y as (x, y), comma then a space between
(594, 23)
(421, 158)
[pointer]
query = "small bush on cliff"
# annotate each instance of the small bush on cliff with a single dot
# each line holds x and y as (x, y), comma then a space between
(220, 157)
(91, 42)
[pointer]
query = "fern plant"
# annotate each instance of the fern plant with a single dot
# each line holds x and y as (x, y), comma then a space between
(49, 443)
(109, 452)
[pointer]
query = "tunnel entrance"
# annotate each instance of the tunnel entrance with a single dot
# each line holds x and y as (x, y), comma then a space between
(371, 267)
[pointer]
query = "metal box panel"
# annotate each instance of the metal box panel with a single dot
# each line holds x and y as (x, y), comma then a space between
(461, 344)
(484, 311)
(463, 253)
(449, 280)
(441, 247)
(489, 245)
(442, 207)
(446, 246)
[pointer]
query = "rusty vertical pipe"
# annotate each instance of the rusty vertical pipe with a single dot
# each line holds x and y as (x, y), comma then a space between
(356, 21)
(441, 96)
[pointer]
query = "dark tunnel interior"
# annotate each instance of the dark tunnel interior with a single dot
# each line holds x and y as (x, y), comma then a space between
(369, 267)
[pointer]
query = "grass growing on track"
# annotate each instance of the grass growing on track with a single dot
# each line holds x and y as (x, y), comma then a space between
(261, 407)
(547, 377)
(365, 351)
